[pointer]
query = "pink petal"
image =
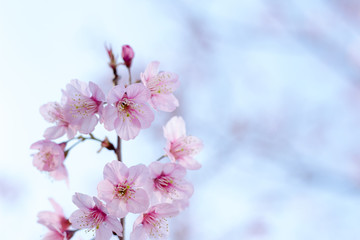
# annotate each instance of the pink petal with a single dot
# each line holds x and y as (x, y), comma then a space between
(190, 163)
(138, 233)
(127, 128)
(96, 92)
(114, 225)
(110, 114)
(54, 132)
(76, 86)
(164, 102)
(166, 210)
(54, 235)
(105, 190)
(171, 80)
(186, 190)
(139, 202)
(139, 174)
(47, 109)
(71, 132)
(174, 128)
(83, 201)
(115, 172)
(151, 70)
(117, 208)
(145, 115)
(155, 169)
(100, 205)
(58, 209)
(103, 233)
(115, 94)
(88, 124)
(60, 173)
(175, 170)
(77, 219)
(138, 92)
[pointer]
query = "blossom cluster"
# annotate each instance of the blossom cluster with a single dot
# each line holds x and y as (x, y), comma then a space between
(155, 192)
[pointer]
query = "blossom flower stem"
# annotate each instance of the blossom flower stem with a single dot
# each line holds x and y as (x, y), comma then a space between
(161, 157)
(68, 150)
(118, 147)
(129, 75)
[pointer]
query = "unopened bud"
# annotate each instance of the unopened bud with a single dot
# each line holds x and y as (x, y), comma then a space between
(112, 57)
(62, 145)
(127, 54)
(106, 144)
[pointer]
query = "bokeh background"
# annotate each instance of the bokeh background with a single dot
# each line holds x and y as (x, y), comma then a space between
(270, 86)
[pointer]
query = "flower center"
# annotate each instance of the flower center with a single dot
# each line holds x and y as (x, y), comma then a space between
(159, 226)
(124, 191)
(125, 106)
(83, 107)
(95, 218)
(164, 183)
(48, 160)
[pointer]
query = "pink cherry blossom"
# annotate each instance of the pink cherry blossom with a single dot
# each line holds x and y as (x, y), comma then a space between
(127, 111)
(50, 158)
(153, 223)
(161, 85)
(56, 223)
(181, 148)
(53, 112)
(123, 188)
(168, 182)
(93, 215)
(82, 103)
(127, 54)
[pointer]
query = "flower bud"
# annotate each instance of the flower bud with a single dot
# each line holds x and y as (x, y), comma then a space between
(127, 54)
(112, 57)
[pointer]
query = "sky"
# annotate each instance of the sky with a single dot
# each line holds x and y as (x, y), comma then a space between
(271, 88)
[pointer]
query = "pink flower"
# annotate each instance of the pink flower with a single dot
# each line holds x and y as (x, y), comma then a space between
(50, 158)
(168, 182)
(161, 86)
(82, 103)
(127, 111)
(181, 148)
(53, 112)
(56, 223)
(127, 54)
(93, 215)
(153, 224)
(123, 188)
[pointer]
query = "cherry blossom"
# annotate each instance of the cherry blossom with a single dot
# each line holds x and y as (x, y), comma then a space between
(93, 215)
(127, 111)
(123, 188)
(53, 112)
(50, 158)
(161, 85)
(168, 182)
(82, 103)
(153, 223)
(56, 223)
(180, 147)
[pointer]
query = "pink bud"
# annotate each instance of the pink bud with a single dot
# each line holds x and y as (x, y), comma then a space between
(62, 145)
(127, 54)
(112, 57)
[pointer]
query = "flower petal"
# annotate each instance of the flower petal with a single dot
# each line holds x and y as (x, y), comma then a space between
(127, 128)
(164, 102)
(138, 92)
(83, 201)
(139, 202)
(54, 132)
(174, 128)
